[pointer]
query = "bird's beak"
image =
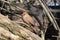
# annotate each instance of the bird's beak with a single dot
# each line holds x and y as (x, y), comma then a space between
(24, 13)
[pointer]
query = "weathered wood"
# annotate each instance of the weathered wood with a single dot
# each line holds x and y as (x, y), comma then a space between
(6, 35)
(12, 30)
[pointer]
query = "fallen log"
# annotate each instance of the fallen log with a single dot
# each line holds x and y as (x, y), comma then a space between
(14, 31)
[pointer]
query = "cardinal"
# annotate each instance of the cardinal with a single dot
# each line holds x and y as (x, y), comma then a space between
(28, 19)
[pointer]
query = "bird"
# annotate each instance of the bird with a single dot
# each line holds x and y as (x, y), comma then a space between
(34, 24)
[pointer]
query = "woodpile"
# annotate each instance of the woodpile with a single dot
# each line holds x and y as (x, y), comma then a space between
(10, 30)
